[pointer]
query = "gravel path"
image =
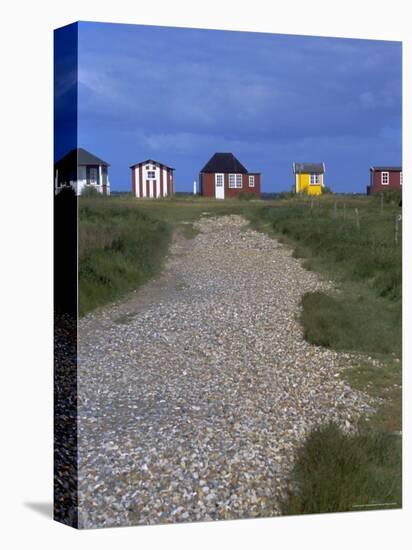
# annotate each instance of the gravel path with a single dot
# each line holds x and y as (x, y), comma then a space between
(195, 392)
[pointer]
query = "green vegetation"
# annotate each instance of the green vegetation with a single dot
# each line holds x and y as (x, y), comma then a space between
(337, 472)
(357, 243)
(382, 379)
(247, 196)
(349, 237)
(120, 248)
(123, 241)
(354, 319)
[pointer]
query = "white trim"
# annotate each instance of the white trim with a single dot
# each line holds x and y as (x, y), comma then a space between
(236, 182)
(296, 182)
(164, 182)
(220, 187)
(317, 178)
(382, 182)
(401, 177)
(251, 181)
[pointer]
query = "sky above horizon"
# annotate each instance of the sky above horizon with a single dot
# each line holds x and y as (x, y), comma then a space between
(179, 95)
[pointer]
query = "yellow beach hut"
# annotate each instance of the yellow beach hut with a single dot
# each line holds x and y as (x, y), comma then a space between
(309, 177)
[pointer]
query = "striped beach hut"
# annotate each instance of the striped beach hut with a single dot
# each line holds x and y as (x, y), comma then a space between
(152, 179)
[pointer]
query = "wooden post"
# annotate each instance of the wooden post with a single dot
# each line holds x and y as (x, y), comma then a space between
(398, 218)
(357, 218)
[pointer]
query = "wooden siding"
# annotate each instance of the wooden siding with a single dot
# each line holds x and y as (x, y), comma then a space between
(376, 181)
(207, 185)
(304, 186)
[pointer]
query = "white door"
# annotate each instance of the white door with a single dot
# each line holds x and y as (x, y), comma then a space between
(220, 186)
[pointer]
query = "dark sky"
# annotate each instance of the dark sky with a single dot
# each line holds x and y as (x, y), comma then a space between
(180, 95)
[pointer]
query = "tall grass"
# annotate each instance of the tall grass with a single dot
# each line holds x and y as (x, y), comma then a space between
(353, 241)
(360, 245)
(338, 472)
(120, 248)
(357, 242)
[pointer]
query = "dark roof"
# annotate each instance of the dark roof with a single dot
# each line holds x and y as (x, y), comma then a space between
(224, 162)
(386, 168)
(81, 157)
(152, 161)
(308, 167)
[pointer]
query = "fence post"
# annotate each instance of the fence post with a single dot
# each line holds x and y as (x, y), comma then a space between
(357, 218)
(398, 218)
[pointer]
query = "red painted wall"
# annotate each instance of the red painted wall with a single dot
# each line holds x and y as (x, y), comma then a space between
(133, 182)
(208, 185)
(140, 181)
(376, 179)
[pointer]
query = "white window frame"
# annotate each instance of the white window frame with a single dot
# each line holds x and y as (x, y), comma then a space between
(89, 179)
(401, 178)
(251, 181)
(151, 175)
(386, 174)
(235, 181)
(220, 180)
(315, 179)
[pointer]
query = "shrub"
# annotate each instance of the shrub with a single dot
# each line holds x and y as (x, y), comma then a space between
(353, 322)
(91, 193)
(120, 248)
(338, 472)
(390, 196)
(247, 196)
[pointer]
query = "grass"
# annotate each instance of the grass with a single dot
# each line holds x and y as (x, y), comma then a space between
(356, 246)
(352, 320)
(352, 241)
(120, 248)
(123, 241)
(337, 472)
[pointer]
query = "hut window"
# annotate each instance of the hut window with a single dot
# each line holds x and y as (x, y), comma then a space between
(92, 175)
(151, 175)
(315, 179)
(235, 181)
(385, 178)
(401, 178)
(251, 181)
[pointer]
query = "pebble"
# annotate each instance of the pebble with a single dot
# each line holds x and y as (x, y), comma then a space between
(195, 393)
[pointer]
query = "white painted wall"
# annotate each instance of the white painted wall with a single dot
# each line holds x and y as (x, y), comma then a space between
(164, 182)
(155, 189)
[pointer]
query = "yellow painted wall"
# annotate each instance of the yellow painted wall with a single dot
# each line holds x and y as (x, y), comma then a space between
(305, 187)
